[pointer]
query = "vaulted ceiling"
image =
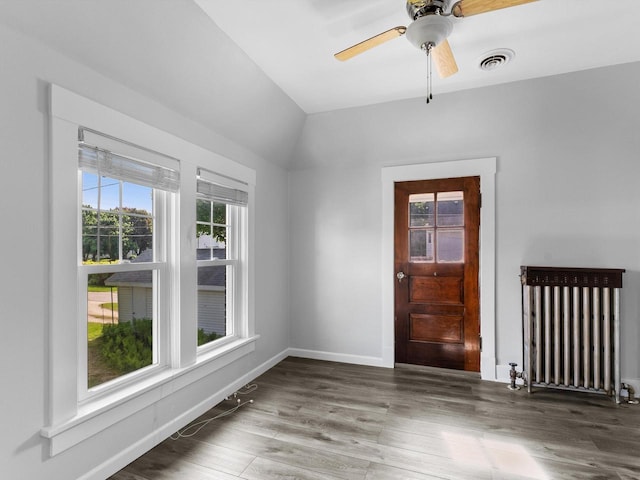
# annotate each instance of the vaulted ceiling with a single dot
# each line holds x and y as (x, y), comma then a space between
(293, 42)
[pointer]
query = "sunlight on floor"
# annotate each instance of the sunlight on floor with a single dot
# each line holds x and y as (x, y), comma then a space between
(505, 457)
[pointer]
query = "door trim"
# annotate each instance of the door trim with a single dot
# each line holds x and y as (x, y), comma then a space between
(485, 168)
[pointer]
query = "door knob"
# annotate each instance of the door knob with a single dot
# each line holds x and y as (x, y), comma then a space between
(400, 276)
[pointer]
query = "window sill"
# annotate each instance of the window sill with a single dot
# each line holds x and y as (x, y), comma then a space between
(94, 416)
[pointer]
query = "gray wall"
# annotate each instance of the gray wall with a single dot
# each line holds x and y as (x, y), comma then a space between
(566, 189)
(113, 77)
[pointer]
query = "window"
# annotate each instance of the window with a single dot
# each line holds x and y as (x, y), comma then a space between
(122, 264)
(129, 279)
(220, 226)
(436, 227)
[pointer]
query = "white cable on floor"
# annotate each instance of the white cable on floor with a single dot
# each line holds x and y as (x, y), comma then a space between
(182, 433)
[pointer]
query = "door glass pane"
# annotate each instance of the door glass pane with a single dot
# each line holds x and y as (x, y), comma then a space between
(421, 209)
(450, 209)
(421, 245)
(451, 245)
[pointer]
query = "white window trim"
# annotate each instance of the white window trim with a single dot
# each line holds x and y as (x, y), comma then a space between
(71, 421)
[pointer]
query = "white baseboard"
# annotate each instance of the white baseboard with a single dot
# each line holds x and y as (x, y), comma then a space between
(125, 457)
(338, 357)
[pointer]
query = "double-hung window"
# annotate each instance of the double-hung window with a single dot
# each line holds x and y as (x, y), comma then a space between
(221, 222)
(150, 266)
(123, 268)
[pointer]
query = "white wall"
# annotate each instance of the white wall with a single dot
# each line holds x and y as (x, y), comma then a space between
(27, 67)
(566, 186)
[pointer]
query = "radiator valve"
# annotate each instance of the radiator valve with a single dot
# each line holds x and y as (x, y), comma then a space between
(513, 375)
(630, 391)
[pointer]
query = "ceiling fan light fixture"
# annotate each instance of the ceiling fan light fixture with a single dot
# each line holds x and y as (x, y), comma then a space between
(431, 29)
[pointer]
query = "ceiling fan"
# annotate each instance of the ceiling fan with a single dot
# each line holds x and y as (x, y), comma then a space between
(429, 30)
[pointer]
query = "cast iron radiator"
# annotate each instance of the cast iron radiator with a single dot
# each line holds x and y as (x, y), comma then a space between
(571, 326)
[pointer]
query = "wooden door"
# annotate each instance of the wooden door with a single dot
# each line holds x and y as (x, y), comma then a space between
(436, 266)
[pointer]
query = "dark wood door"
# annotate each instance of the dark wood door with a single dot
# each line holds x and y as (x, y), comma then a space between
(436, 266)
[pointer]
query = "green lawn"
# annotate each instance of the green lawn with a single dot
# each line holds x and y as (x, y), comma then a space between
(94, 330)
(98, 288)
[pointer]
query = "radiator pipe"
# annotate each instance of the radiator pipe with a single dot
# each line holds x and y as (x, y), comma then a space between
(631, 392)
(513, 375)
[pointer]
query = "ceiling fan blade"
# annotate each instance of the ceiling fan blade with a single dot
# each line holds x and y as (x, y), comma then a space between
(466, 8)
(445, 63)
(361, 47)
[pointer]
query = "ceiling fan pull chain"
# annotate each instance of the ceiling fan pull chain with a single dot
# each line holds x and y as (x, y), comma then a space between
(427, 48)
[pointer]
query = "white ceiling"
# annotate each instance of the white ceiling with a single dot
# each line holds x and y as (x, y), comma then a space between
(293, 42)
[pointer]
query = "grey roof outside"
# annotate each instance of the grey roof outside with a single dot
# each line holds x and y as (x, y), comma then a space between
(212, 276)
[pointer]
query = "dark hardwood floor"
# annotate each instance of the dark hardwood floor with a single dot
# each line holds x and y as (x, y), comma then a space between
(321, 420)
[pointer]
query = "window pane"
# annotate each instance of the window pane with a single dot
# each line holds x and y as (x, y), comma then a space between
(120, 324)
(421, 245)
(211, 229)
(212, 302)
(203, 211)
(421, 210)
(89, 190)
(219, 213)
(137, 198)
(451, 245)
(137, 235)
(89, 235)
(450, 209)
(109, 196)
(108, 236)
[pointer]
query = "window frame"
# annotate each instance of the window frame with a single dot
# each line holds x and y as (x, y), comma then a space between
(236, 248)
(72, 418)
(161, 272)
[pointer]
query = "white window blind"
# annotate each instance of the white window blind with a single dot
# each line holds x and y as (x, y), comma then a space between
(104, 162)
(211, 187)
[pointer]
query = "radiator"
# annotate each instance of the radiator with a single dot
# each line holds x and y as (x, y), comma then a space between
(571, 328)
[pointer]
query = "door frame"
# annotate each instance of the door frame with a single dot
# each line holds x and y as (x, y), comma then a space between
(485, 168)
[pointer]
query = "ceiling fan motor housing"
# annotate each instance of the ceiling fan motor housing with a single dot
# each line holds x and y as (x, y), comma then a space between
(429, 30)
(420, 8)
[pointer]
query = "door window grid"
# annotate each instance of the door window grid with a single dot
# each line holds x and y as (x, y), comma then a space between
(436, 227)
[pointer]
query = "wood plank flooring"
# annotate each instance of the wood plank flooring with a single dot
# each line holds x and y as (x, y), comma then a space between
(314, 420)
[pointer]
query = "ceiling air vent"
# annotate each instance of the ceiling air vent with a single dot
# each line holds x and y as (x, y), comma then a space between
(496, 59)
